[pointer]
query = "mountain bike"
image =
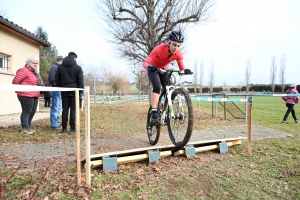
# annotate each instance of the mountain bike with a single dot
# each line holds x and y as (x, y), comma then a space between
(176, 112)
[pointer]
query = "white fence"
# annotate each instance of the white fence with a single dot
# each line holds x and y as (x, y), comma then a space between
(117, 99)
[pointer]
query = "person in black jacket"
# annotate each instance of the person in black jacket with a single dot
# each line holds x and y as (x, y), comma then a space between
(70, 75)
(47, 96)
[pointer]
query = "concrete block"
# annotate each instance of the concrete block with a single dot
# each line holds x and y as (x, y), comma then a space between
(153, 156)
(190, 151)
(110, 163)
(223, 147)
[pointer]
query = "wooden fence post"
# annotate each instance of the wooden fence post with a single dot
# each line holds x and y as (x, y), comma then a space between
(249, 140)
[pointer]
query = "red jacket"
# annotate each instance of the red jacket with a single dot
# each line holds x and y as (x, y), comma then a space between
(25, 76)
(159, 57)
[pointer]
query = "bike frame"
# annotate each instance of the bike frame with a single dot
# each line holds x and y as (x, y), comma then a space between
(168, 94)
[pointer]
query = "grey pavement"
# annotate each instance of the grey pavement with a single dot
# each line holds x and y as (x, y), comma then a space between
(14, 119)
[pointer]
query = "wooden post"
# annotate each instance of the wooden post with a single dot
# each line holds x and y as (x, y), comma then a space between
(78, 136)
(225, 117)
(249, 141)
(212, 108)
(87, 135)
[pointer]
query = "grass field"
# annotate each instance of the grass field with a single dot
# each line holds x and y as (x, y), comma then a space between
(273, 172)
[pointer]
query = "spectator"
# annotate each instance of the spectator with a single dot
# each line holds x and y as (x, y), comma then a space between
(69, 75)
(28, 75)
(290, 102)
(56, 96)
(47, 96)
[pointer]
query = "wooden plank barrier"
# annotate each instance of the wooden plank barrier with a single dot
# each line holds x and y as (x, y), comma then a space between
(140, 154)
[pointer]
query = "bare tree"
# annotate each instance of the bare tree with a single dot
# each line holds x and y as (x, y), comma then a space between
(201, 76)
(195, 77)
(118, 82)
(248, 74)
(273, 70)
(141, 78)
(89, 80)
(137, 26)
(142, 81)
(211, 80)
(93, 77)
(282, 72)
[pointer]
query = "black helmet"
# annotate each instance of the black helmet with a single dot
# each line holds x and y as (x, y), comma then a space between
(176, 36)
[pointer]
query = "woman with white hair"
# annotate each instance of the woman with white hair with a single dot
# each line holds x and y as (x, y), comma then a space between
(28, 75)
(290, 102)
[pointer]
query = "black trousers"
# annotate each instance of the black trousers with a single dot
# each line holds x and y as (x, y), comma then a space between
(290, 109)
(47, 101)
(68, 103)
(29, 105)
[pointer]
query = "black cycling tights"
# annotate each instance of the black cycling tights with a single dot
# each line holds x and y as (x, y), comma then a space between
(157, 80)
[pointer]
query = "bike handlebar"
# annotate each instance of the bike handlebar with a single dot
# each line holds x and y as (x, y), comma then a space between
(180, 72)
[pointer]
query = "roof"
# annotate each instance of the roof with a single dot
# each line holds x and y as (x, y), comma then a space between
(5, 23)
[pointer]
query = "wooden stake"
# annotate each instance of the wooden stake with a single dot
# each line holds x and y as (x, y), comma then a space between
(78, 137)
(249, 140)
(87, 135)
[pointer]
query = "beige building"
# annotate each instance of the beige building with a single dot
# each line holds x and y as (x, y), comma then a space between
(16, 44)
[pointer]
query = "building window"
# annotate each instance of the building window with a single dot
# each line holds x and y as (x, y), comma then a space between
(3, 62)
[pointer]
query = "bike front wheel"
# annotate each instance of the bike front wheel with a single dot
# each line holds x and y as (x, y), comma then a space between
(180, 126)
(153, 130)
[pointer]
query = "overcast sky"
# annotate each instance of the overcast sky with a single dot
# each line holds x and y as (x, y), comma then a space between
(245, 29)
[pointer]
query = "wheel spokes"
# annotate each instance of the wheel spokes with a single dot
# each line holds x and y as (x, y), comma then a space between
(179, 122)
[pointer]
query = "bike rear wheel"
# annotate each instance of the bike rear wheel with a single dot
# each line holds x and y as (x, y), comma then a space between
(180, 127)
(153, 130)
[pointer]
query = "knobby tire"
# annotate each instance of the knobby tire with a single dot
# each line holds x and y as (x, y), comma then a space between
(180, 128)
(153, 131)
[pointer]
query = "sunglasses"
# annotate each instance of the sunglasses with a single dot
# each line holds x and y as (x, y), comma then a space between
(175, 44)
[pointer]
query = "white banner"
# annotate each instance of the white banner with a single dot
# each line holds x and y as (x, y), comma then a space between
(23, 88)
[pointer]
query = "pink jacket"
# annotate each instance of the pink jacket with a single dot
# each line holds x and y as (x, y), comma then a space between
(289, 99)
(25, 76)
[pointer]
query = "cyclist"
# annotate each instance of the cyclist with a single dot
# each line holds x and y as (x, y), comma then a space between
(159, 58)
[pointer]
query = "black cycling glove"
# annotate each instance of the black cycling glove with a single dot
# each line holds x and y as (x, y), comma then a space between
(187, 71)
(151, 68)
